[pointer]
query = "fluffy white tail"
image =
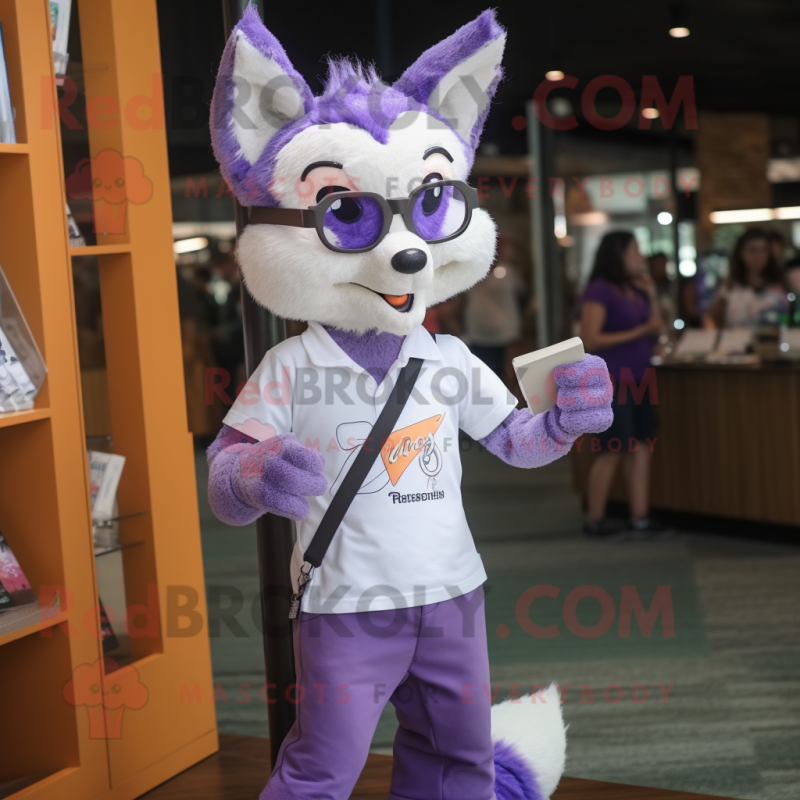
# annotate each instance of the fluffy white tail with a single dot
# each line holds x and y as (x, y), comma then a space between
(530, 745)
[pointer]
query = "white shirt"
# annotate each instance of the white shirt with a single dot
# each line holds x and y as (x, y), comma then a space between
(404, 540)
(745, 307)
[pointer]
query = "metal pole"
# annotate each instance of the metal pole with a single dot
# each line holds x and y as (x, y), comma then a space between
(275, 535)
(672, 138)
(546, 272)
(383, 35)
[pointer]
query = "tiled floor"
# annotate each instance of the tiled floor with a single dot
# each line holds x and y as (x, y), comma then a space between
(713, 709)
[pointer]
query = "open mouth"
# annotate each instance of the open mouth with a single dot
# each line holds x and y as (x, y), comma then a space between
(399, 302)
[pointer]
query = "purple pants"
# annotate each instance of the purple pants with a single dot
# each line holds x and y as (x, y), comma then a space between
(431, 662)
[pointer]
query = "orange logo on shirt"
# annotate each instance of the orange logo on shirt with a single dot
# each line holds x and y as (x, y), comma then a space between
(404, 445)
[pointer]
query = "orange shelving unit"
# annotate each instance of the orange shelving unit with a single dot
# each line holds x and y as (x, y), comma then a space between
(61, 743)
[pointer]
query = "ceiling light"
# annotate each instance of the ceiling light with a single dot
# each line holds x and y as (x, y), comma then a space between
(678, 20)
(589, 218)
(787, 212)
(687, 268)
(221, 230)
(742, 215)
(664, 218)
(190, 245)
(679, 32)
(554, 75)
(651, 113)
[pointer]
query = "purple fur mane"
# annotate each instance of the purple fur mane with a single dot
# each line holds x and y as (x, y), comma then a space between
(372, 351)
(353, 94)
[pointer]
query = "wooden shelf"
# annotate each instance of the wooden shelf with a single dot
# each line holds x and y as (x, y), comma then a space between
(100, 249)
(9, 418)
(44, 481)
(14, 148)
(37, 627)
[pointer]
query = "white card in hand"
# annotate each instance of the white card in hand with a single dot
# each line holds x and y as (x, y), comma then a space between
(535, 372)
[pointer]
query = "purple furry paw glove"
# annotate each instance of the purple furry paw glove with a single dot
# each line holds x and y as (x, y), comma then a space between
(584, 396)
(248, 479)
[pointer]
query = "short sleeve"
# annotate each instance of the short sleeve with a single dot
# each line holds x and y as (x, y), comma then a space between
(597, 292)
(263, 408)
(486, 402)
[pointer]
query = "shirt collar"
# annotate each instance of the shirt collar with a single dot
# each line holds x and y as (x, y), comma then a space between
(324, 352)
(419, 344)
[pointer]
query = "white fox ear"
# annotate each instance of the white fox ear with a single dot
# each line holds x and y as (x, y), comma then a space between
(458, 77)
(257, 93)
(265, 98)
(462, 96)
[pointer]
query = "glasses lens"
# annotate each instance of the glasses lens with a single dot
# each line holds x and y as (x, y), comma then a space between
(439, 212)
(353, 223)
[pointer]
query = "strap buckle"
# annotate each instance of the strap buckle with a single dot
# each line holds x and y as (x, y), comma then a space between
(305, 577)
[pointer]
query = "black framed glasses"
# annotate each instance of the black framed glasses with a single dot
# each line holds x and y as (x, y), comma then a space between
(354, 222)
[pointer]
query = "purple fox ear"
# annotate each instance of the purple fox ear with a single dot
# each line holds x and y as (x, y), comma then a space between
(257, 92)
(458, 77)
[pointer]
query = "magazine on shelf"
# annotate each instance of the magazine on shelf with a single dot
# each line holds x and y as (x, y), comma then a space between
(22, 370)
(110, 641)
(21, 616)
(15, 588)
(105, 470)
(16, 388)
(10, 393)
(8, 134)
(60, 11)
(75, 236)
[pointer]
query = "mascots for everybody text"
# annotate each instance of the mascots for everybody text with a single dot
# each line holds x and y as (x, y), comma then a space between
(361, 218)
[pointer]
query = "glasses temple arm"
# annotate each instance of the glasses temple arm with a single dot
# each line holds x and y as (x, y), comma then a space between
(293, 217)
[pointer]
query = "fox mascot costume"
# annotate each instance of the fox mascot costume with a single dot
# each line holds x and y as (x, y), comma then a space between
(360, 219)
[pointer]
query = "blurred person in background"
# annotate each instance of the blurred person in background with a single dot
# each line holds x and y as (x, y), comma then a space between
(621, 321)
(777, 246)
(450, 316)
(207, 308)
(431, 322)
(793, 275)
(493, 312)
(228, 336)
(754, 292)
(690, 309)
(201, 420)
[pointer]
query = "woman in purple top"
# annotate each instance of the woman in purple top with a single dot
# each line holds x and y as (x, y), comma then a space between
(620, 320)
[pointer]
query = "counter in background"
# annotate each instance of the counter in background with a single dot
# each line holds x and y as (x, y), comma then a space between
(728, 443)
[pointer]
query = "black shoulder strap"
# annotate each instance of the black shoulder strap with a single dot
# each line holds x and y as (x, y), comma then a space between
(363, 463)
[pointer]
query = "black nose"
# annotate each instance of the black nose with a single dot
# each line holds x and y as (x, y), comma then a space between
(409, 261)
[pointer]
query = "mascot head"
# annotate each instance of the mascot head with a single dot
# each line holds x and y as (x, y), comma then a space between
(360, 216)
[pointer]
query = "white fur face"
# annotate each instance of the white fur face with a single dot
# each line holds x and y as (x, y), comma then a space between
(292, 273)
